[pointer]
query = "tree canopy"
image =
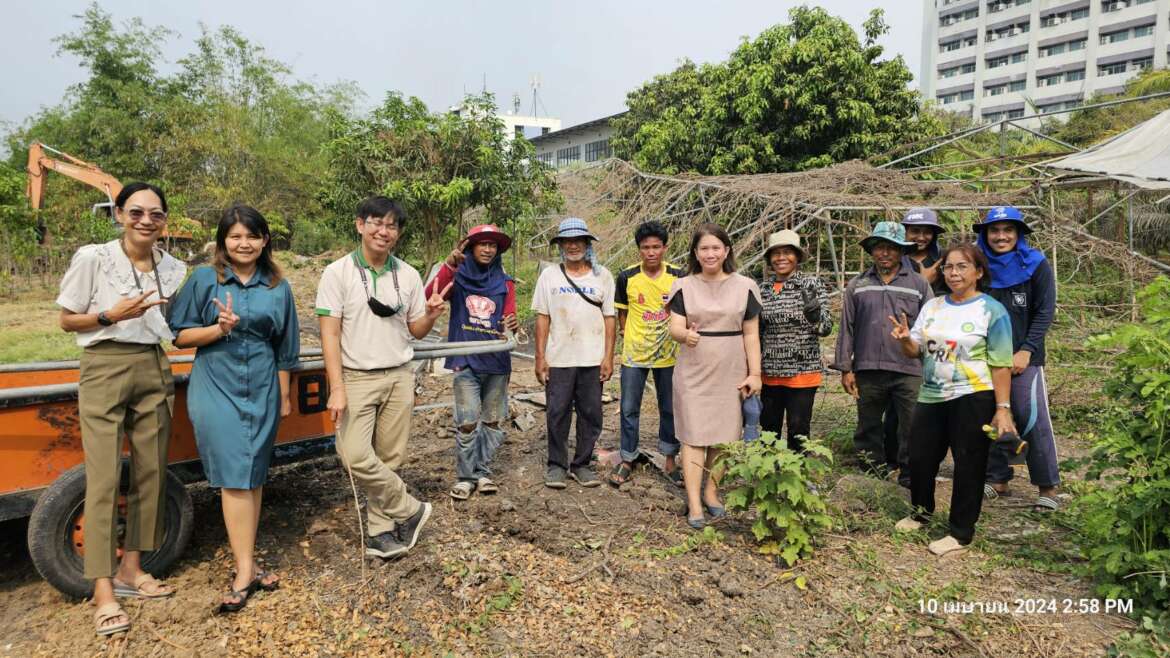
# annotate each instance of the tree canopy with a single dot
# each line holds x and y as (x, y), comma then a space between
(801, 95)
(438, 165)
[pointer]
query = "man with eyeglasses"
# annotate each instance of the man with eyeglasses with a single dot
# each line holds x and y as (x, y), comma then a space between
(370, 304)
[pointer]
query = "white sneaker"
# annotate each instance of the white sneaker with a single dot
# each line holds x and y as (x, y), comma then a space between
(946, 546)
(908, 524)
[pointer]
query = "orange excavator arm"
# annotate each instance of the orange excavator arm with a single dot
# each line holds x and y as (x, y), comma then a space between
(39, 163)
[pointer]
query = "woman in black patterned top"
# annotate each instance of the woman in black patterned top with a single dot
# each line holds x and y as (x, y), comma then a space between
(795, 316)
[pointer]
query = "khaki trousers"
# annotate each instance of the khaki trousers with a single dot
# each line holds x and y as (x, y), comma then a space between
(372, 441)
(124, 389)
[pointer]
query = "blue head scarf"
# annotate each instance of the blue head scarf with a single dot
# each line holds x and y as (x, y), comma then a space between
(1014, 267)
(483, 280)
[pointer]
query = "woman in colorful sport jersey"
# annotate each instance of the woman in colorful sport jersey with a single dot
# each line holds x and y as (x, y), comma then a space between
(965, 342)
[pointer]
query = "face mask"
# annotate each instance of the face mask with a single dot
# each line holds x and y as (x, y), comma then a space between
(376, 307)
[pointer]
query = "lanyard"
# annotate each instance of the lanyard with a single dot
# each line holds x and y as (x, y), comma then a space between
(366, 282)
(134, 271)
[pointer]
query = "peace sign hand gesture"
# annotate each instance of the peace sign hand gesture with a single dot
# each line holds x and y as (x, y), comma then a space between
(129, 308)
(437, 302)
(227, 320)
(455, 259)
(901, 331)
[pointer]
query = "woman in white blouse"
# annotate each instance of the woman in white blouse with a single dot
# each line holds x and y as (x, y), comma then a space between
(113, 297)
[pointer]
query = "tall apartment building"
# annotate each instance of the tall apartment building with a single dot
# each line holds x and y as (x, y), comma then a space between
(989, 58)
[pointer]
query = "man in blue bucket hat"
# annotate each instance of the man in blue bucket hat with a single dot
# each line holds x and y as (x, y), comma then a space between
(1022, 280)
(575, 330)
(873, 368)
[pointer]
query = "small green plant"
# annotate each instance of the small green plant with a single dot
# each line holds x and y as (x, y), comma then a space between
(498, 603)
(709, 536)
(1125, 519)
(779, 484)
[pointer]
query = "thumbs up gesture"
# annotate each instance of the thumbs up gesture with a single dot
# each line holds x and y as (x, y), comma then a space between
(226, 320)
(693, 335)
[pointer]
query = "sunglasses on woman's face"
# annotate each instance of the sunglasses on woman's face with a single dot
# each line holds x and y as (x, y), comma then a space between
(138, 214)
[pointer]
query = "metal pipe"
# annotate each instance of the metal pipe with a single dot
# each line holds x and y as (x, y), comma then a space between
(11, 397)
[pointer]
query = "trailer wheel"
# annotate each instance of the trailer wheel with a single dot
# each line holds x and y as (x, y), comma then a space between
(56, 542)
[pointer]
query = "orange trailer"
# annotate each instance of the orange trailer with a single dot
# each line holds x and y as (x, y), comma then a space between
(42, 474)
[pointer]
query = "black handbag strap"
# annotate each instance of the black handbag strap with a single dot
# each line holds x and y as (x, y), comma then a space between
(579, 291)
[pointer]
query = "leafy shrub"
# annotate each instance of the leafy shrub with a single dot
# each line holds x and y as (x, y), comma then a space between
(1125, 518)
(310, 238)
(777, 482)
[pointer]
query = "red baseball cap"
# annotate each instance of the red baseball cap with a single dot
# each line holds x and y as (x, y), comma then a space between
(489, 233)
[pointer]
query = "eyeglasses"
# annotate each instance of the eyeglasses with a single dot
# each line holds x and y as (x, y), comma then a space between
(378, 224)
(156, 216)
(961, 268)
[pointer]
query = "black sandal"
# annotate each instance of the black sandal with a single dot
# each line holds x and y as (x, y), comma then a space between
(244, 594)
(622, 474)
(261, 574)
(676, 476)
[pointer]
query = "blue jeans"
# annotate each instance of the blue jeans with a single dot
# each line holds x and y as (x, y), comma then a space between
(633, 385)
(481, 405)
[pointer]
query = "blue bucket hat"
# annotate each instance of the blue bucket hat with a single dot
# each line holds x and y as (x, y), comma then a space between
(888, 231)
(1004, 214)
(572, 227)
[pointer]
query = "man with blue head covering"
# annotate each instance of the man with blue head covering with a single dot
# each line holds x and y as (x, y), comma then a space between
(575, 330)
(1022, 280)
(483, 304)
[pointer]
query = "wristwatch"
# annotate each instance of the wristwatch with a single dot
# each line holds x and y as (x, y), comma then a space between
(1004, 405)
(104, 320)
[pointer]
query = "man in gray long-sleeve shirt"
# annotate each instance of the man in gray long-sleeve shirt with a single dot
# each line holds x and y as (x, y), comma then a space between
(873, 368)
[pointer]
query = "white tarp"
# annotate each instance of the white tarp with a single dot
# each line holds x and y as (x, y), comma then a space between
(1139, 156)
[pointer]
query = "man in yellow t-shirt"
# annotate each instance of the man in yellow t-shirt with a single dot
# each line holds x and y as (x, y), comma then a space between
(647, 349)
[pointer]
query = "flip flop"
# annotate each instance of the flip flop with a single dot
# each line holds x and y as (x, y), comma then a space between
(136, 590)
(1046, 504)
(989, 493)
(946, 546)
(621, 475)
(107, 612)
(243, 594)
(486, 486)
(676, 477)
(261, 574)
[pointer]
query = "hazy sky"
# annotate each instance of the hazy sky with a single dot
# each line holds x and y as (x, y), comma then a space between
(588, 54)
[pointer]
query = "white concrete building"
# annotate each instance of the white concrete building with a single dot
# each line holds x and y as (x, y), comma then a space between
(515, 124)
(586, 142)
(988, 58)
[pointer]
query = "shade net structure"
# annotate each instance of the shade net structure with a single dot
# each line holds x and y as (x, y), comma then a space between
(1139, 156)
(832, 209)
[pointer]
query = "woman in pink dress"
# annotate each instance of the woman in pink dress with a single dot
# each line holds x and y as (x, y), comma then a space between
(714, 314)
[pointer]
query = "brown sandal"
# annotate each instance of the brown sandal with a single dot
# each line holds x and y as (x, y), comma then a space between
(159, 589)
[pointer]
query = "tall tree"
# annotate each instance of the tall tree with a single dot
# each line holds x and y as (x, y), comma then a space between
(801, 95)
(438, 165)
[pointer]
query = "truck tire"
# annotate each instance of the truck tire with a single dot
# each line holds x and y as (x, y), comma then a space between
(54, 528)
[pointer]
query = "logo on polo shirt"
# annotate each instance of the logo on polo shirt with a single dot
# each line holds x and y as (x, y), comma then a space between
(1020, 299)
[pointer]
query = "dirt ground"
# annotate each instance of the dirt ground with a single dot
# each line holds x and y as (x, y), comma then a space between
(532, 571)
(536, 572)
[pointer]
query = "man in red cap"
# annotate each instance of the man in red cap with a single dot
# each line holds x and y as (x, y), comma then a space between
(483, 304)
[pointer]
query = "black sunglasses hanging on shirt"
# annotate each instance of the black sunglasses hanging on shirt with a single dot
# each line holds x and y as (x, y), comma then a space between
(376, 307)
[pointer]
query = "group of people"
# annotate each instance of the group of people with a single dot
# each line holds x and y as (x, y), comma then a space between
(934, 344)
(718, 346)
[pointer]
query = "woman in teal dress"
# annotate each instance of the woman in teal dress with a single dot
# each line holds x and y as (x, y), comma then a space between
(239, 313)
